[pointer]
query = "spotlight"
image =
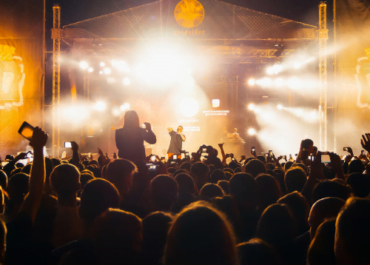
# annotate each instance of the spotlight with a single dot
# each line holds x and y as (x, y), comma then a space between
(126, 81)
(100, 106)
(102, 64)
(251, 107)
(124, 107)
(280, 107)
(90, 69)
(116, 112)
(252, 82)
(266, 82)
(252, 131)
(277, 68)
(84, 65)
(107, 70)
(270, 70)
(100, 72)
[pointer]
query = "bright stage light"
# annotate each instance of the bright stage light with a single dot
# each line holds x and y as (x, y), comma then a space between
(294, 83)
(279, 107)
(215, 103)
(189, 107)
(297, 65)
(90, 69)
(279, 82)
(100, 72)
(102, 64)
(107, 70)
(116, 112)
(124, 107)
(100, 106)
(270, 70)
(84, 65)
(126, 81)
(252, 131)
(251, 107)
(252, 82)
(266, 82)
(120, 65)
(299, 112)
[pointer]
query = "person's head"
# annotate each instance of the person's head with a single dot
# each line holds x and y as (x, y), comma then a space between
(199, 171)
(65, 180)
(352, 233)
(288, 165)
(84, 178)
(330, 188)
(163, 192)
(180, 129)
(211, 190)
(260, 158)
(186, 166)
(26, 169)
(3, 180)
(131, 120)
(186, 183)
(118, 237)
(276, 225)
(243, 188)
(307, 145)
(268, 190)
(97, 196)
(257, 252)
(224, 184)
(321, 250)
(179, 171)
(255, 167)
(356, 166)
(217, 175)
(55, 162)
(155, 229)
(323, 209)
(200, 235)
(18, 187)
(120, 172)
(299, 208)
(360, 184)
(295, 179)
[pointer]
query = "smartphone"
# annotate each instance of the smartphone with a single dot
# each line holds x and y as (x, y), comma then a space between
(362, 152)
(187, 155)
(266, 155)
(253, 150)
(325, 158)
(26, 130)
(67, 144)
(345, 149)
(204, 150)
(270, 153)
(153, 159)
(284, 157)
(174, 157)
(143, 126)
(163, 160)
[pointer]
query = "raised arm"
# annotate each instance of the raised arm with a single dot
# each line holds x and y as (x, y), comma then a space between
(37, 177)
(315, 174)
(222, 153)
(75, 157)
(149, 135)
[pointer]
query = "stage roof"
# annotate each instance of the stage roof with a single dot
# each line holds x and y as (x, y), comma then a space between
(222, 21)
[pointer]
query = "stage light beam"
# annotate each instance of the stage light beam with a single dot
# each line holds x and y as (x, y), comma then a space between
(252, 131)
(84, 65)
(251, 107)
(125, 107)
(280, 107)
(100, 106)
(251, 82)
(102, 64)
(90, 69)
(107, 70)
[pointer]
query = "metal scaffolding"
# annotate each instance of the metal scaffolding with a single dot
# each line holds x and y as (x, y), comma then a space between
(323, 76)
(56, 36)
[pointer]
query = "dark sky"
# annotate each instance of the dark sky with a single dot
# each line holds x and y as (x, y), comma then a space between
(300, 10)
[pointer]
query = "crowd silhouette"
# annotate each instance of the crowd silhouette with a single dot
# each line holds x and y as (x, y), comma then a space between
(200, 210)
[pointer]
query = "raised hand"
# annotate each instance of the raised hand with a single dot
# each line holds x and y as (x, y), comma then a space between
(336, 165)
(365, 142)
(39, 138)
(148, 127)
(74, 146)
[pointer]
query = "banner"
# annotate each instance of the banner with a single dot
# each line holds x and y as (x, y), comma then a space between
(353, 76)
(20, 71)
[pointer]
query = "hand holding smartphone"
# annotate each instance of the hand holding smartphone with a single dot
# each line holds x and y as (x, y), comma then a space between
(26, 130)
(67, 144)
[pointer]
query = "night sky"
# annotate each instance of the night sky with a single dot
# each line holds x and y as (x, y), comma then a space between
(300, 10)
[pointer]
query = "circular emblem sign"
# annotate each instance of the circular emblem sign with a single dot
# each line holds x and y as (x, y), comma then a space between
(189, 13)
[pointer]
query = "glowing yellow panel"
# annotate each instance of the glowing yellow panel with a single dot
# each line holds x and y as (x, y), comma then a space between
(189, 13)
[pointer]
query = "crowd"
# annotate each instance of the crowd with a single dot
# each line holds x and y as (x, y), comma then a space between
(199, 210)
